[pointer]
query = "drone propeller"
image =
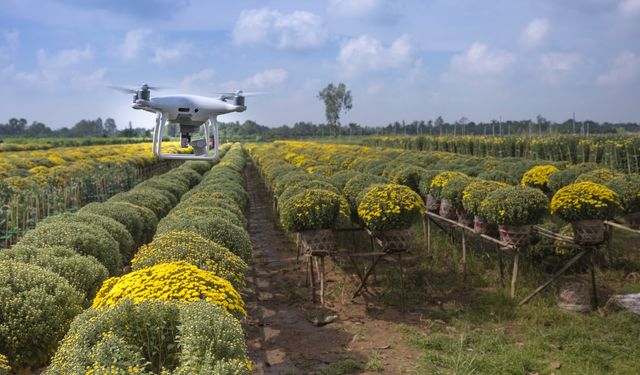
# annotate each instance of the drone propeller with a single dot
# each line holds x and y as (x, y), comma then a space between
(128, 90)
(231, 95)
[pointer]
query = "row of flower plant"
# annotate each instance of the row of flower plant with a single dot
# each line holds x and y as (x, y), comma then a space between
(57, 268)
(381, 187)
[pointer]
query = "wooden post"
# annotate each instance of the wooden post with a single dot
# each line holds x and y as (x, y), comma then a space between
(428, 235)
(501, 265)
(311, 279)
(514, 274)
(322, 280)
(464, 256)
(593, 279)
(425, 231)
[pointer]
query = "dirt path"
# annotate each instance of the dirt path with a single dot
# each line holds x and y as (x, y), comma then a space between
(281, 337)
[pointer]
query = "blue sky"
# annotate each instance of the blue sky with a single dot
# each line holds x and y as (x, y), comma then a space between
(402, 60)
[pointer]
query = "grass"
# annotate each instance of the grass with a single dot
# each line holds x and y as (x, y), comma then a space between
(474, 327)
(341, 367)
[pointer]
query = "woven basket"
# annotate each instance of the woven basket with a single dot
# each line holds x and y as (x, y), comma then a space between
(479, 225)
(433, 203)
(633, 220)
(515, 235)
(394, 240)
(317, 242)
(588, 232)
(575, 295)
(447, 210)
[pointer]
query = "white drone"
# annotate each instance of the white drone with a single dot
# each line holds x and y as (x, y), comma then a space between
(190, 112)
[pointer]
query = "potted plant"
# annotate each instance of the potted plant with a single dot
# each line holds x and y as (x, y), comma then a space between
(437, 184)
(538, 177)
(585, 205)
(432, 203)
(314, 213)
(452, 194)
(628, 189)
(389, 211)
(515, 209)
(472, 195)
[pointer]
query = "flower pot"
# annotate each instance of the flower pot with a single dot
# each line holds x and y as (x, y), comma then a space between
(575, 295)
(588, 232)
(394, 240)
(480, 226)
(464, 218)
(447, 210)
(633, 220)
(433, 203)
(317, 242)
(515, 235)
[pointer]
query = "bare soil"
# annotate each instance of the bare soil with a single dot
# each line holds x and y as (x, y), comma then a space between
(281, 335)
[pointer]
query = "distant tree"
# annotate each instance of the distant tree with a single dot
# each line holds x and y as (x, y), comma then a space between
(336, 99)
(110, 127)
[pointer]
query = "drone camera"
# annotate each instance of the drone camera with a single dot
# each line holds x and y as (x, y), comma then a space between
(239, 100)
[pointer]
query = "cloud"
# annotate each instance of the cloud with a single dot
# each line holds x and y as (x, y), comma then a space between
(64, 58)
(367, 53)
(626, 68)
(134, 42)
(297, 30)
(481, 60)
(202, 76)
(11, 41)
(170, 54)
(555, 65)
(375, 88)
(144, 9)
(534, 34)
(89, 81)
(362, 8)
(629, 8)
(259, 81)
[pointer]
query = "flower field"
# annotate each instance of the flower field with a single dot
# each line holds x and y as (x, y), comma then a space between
(36, 184)
(616, 152)
(296, 171)
(176, 311)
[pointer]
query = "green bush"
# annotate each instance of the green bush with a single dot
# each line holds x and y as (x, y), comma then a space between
(196, 211)
(152, 337)
(452, 191)
(186, 175)
(598, 176)
(86, 239)
(567, 176)
(390, 206)
(200, 166)
(499, 176)
(476, 191)
(125, 213)
(357, 185)
(314, 209)
(408, 175)
(341, 178)
(36, 307)
(167, 183)
(296, 176)
(204, 199)
(194, 249)
(301, 186)
(515, 205)
(233, 190)
(627, 188)
(152, 199)
(216, 229)
(117, 231)
(84, 273)
(424, 186)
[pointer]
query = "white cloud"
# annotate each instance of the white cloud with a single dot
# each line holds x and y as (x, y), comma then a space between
(555, 65)
(171, 54)
(626, 68)
(535, 32)
(11, 41)
(367, 53)
(134, 42)
(356, 8)
(629, 8)
(375, 88)
(296, 30)
(266, 79)
(65, 58)
(91, 80)
(480, 60)
(199, 77)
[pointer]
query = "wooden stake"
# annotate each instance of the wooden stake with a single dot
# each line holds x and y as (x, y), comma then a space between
(464, 256)
(322, 281)
(514, 274)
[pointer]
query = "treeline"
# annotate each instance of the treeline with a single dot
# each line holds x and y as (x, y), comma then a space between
(84, 128)
(251, 130)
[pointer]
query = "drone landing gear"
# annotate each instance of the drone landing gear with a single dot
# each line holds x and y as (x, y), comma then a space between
(200, 146)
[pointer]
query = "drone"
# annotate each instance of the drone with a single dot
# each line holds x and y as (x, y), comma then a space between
(190, 112)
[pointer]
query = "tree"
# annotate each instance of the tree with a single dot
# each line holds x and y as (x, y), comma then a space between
(336, 99)
(110, 127)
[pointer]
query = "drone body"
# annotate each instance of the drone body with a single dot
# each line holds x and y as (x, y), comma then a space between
(190, 112)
